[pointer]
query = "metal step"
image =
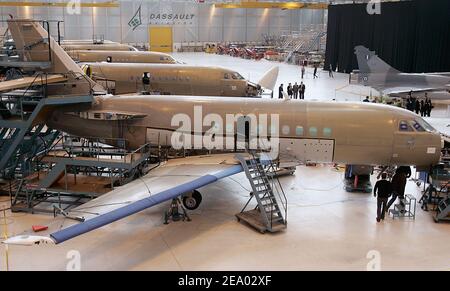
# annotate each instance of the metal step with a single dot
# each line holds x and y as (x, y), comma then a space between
(268, 208)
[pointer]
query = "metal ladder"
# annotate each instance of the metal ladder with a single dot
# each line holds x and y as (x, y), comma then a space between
(271, 211)
(443, 210)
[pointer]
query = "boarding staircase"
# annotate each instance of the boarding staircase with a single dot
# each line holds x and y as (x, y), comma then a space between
(406, 208)
(270, 213)
(443, 210)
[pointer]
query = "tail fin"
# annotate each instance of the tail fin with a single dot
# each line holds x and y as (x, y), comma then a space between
(35, 45)
(269, 79)
(369, 62)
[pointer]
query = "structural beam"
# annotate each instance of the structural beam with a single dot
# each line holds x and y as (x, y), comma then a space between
(273, 5)
(107, 4)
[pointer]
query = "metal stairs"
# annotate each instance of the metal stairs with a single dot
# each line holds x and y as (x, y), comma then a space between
(406, 208)
(270, 213)
(22, 133)
(443, 210)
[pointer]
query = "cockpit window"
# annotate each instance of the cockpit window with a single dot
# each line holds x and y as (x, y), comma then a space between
(417, 126)
(425, 125)
(226, 76)
(404, 126)
(237, 76)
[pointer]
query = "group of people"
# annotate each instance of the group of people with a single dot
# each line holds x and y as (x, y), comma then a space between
(295, 91)
(395, 188)
(422, 107)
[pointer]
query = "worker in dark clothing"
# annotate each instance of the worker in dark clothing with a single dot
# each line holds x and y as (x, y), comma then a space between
(367, 99)
(146, 81)
(303, 71)
(383, 188)
(422, 108)
(398, 187)
(290, 91)
(315, 72)
(301, 90)
(295, 90)
(280, 92)
(428, 106)
(405, 170)
(418, 108)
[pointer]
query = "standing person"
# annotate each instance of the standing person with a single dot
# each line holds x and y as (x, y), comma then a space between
(303, 71)
(330, 72)
(429, 107)
(426, 108)
(413, 103)
(422, 108)
(280, 92)
(302, 89)
(398, 187)
(315, 72)
(418, 108)
(289, 91)
(295, 89)
(383, 188)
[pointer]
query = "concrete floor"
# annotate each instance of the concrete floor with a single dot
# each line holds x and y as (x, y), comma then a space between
(329, 229)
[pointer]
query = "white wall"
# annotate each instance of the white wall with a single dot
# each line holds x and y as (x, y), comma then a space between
(208, 24)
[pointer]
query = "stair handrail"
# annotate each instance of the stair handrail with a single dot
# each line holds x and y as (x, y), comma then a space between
(275, 181)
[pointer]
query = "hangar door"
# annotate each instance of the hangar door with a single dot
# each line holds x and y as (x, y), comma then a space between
(160, 38)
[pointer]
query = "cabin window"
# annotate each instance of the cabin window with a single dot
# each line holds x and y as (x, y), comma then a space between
(327, 131)
(299, 130)
(286, 130)
(404, 126)
(313, 131)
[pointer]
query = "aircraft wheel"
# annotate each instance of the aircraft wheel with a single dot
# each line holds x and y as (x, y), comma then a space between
(192, 201)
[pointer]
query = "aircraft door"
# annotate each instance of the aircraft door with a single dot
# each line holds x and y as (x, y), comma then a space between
(243, 134)
(404, 143)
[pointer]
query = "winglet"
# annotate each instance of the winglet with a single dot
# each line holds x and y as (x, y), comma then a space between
(269, 79)
(28, 240)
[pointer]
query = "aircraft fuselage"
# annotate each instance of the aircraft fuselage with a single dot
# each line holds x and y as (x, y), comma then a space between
(171, 79)
(330, 132)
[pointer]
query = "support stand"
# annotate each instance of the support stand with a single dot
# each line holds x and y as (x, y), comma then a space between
(174, 213)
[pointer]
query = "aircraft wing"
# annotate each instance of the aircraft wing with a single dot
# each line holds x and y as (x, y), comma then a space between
(25, 82)
(161, 184)
(406, 90)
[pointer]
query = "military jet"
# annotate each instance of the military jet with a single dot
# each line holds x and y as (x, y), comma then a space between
(289, 130)
(376, 73)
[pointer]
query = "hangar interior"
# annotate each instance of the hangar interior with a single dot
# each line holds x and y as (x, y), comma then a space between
(96, 168)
